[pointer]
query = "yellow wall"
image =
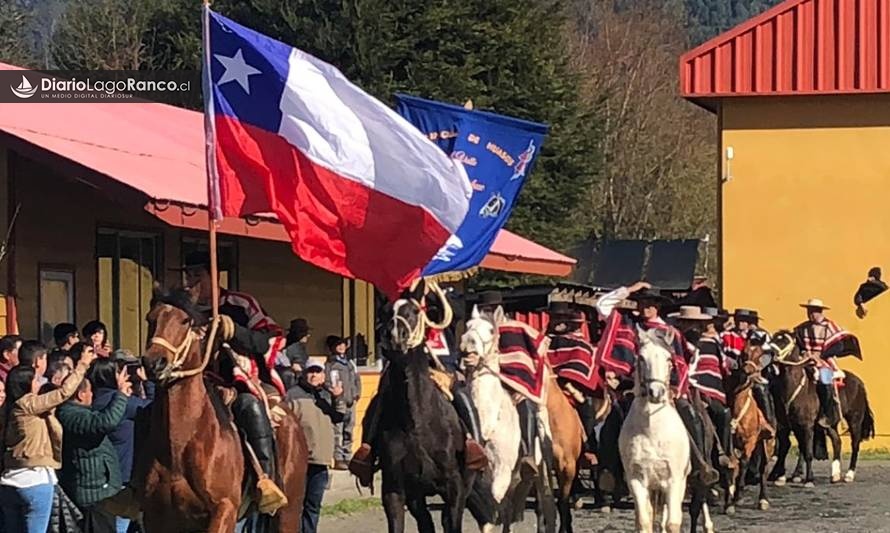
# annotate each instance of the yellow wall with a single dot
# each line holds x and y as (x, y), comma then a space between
(806, 213)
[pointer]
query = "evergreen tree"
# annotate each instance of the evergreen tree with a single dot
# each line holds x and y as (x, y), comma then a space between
(708, 18)
(14, 44)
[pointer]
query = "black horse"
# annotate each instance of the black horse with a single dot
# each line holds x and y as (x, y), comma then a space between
(421, 439)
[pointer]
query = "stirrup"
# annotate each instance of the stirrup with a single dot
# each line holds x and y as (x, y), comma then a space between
(362, 466)
(271, 497)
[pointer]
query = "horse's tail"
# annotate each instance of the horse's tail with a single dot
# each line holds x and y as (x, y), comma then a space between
(867, 428)
(480, 501)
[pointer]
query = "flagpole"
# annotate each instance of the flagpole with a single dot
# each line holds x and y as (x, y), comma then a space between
(213, 208)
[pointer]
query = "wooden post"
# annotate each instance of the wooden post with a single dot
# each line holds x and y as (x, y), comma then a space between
(211, 196)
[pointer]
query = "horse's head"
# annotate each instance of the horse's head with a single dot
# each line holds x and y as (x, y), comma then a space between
(654, 365)
(481, 336)
(786, 347)
(406, 324)
(175, 329)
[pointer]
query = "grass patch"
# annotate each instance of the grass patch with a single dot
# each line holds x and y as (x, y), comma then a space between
(875, 454)
(350, 506)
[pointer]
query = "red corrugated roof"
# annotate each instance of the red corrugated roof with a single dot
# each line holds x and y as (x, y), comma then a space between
(159, 150)
(797, 47)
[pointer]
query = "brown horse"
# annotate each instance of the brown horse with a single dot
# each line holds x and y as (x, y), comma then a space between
(753, 437)
(191, 473)
(797, 407)
(568, 441)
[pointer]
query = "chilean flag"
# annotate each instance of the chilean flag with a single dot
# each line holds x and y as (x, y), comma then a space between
(360, 190)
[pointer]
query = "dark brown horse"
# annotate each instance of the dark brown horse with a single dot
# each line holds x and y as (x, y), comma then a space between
(191, 472)
(797, 408)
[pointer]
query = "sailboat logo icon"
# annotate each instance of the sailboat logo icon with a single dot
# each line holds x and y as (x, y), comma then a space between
(24, 90)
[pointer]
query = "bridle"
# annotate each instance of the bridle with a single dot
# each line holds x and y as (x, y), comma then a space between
(489, 351)
(417, 333)
(172, 371)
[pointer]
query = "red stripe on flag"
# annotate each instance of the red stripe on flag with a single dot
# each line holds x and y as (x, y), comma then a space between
(333, 222)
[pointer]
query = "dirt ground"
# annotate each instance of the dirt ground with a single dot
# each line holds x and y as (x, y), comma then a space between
(863, 506)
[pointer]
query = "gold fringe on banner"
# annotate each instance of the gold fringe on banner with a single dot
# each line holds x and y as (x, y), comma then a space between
(452, 277)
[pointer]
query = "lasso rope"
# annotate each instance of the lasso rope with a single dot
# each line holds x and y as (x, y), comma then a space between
(417, 333)
(734, 423)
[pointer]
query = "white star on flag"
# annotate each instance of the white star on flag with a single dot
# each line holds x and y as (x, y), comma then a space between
(236, 70)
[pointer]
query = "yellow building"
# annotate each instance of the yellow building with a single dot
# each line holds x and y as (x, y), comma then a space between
(802, 99)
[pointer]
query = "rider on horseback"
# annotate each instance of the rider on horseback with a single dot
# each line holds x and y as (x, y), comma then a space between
(572, 358)
(708, 369)
(258, 337)
(747, 329)
(812, 337)
(649, 303)
(438, 344)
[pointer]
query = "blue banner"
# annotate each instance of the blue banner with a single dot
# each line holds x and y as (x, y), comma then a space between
(498, 153)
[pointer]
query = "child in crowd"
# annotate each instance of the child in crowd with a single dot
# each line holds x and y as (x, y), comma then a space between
(342, 372)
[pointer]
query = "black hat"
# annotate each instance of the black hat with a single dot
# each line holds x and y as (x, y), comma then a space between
(748, 315)
(64, 330)
(299, 328)
(490, 298)
(124, 356)
(563, 311)
(195, 260)
(650, 295)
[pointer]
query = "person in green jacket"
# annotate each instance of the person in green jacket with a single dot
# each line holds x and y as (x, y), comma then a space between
(90, 469)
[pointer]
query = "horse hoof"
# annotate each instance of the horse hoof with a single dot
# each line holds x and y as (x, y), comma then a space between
(850, 476)
(835, 478)
(764, 505)
(797, 479)
(730, 510)
(606, 509)
(780, 481)
(809, 485)
(579, 504)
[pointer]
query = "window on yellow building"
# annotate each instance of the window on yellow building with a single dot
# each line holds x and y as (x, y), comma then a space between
(56, 300)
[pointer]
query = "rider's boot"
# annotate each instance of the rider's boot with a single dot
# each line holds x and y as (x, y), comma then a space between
(253, 421)
(362, 463)
(706, 473)
(475, 458)
(528, 423)
(764, 401)
(722, 417)
(828, 417)
(587, 413)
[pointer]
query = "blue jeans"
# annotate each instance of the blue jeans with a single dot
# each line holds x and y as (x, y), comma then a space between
(121, 524)
(316, 484)
(27, 510)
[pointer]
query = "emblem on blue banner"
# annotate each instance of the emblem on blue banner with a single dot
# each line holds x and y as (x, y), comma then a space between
(498, 153)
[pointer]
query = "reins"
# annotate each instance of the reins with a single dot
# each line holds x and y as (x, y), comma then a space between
(172, 371)
(417, 334)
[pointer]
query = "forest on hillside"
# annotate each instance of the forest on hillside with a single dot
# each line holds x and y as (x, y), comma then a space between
(626, 158)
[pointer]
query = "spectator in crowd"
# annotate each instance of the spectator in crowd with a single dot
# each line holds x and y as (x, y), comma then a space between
(32, 438)
(341, 371)
(57, 369)
(65, 336)
(142, 388)
(91, 471)
(9, 354)
(292, 359)
(33, 354)
(76, 351)
(95, 333)
(104, 379)
(318, 411)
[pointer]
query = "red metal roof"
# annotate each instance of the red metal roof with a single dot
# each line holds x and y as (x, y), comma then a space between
(158, 149)
(797, 47)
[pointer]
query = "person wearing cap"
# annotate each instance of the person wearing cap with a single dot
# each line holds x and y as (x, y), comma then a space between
(812, 335)
(708, 369)
(319, 406)
(869, 290)
(572, 358)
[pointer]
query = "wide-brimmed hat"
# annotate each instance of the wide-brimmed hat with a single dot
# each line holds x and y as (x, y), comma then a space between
(814, 303)
(690, 312)
(490, 298)
(650, 295)
(713, 312)
(748, 315)
(195, 260)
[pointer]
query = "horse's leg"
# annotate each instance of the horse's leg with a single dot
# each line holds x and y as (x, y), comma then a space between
(421, 513)
(223, 518)
(709, 524)
(675, 505)
(806, 446)
(452, 512)
(394, 508)
(836, 454)
(695, 507)
(855, 440)
(783, 438)
(763, 501)
(740, 481)
(642, 505)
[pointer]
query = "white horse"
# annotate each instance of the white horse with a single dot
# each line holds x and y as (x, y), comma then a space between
(653, 442)
(498, 417)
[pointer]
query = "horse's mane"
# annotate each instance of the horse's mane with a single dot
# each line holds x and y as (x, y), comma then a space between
(182, 300)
